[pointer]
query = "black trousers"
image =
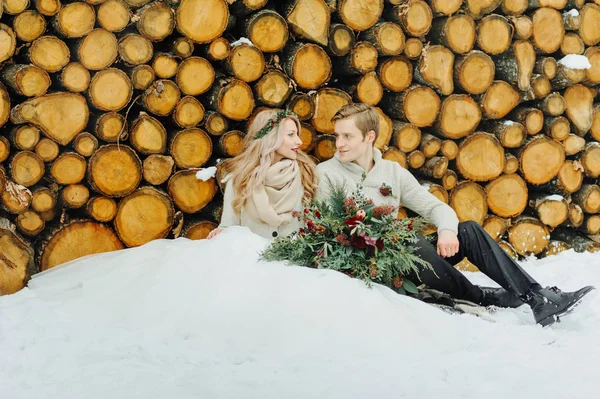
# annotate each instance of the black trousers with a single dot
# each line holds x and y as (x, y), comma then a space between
(476, 245)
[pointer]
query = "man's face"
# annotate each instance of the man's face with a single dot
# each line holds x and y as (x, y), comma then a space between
(350, 142)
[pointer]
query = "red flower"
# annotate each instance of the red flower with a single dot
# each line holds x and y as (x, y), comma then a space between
(306, 210)
(383, 210)
(310, 224)
(317, 213)
(410, 225)
(358, 241)
(379, 244)
(353, 221)
(361, 214)
(343, 239)
(384, 191)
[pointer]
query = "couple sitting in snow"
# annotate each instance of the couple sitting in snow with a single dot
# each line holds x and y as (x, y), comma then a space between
(272, 179)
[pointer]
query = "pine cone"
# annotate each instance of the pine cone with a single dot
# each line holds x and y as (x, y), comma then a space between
(397, 282)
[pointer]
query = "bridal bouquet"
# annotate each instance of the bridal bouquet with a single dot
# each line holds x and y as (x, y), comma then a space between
(353, 236)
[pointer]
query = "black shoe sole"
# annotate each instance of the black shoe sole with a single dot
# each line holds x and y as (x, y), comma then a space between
(566, 311)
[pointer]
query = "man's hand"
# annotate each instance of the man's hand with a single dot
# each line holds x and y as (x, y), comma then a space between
(447, 243)
(213, 233)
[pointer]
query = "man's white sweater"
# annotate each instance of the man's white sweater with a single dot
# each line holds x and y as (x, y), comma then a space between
(406, 190)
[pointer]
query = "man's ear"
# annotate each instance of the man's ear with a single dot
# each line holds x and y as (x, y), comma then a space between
(371, 136)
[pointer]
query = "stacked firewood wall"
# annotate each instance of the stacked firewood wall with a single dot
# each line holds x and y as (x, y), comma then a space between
(108, 108)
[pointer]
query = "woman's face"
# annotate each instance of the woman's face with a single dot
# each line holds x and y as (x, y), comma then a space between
(291, 141)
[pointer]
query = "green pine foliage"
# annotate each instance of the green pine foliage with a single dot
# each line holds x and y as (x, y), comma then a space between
(353, 236)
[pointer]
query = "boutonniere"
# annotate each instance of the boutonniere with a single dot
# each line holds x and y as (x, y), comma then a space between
(386, 190)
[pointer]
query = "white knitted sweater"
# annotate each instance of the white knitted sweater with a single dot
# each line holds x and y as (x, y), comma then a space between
(406, 190)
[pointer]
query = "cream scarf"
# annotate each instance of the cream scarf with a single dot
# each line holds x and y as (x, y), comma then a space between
(275, 200)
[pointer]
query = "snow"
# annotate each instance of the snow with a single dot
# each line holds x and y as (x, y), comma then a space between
(206, 173)
(554, 197)
(575, 61)
(196, 319)
(242, 40)
(573, 13)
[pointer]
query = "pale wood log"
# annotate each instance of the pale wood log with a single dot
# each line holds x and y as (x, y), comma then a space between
(361, 59)
(541, 86)
(494, 34)
(531, 118)
(75, 77)
(302, 104)
(74, 240)
(430, 145)
(30, 223)
(558, 128)
(449, 180)
(413, 48)
(68, 168)
(198, 230)
(480, 157)
(528, 236)
(406, 136)
(61, 116)
(190, 148)
(147, 135)
(579, 102)
(435, 69)
(74, 196)
(268, 31)
(548, 29)
(246, 62)
(202, 20)
(188, 113)
(106, 170)
(308, 19)
(456, 32)
(17, 264)
(572, 44)
(386, 129)
(590, 225)
(449, 149)
(327, 103)
(142, 76)
(110, 90)
(101, 209)
(16, 198)
(218, 49)
(135, 49)
(589, 30)
(510, 134)
(592, 75)
(324, 147)
(387, 37)
(474, 72)
(516, 65)
(415, 159)
(566, 77)
(510, 251)
(395, 73)
(85, 144)
(29, 25)
(25, 137)
(195, 76)
(47, 150)
(215, 123)
(360, 15)
(523, 26)
(499, 99)
(231, 144)
(554, 248)
(114, 15)
(568, 180)
(495, 226)
(190, 194)
(308, 135)
(590, 159)
(546, 66)
(468, 199)
(98, 50)
(158, 168)
(414, 16)
(245, 7)
(341, 39)
(556, 4)
(165, 65)
(15, 7)
(553, 104)
(145, 215)
(551, 210)
(576, 216)
(26, 80)
(573, 144)
(478, 8)
(595, 129)
(458, 117)
(110, 127)
(541, 159)
(26, 168)
(48, 8)
(366, 88)
(435, 167)
(418, 105)
(182, 47)
(232, 98)
(395, 155)
(48, 52)
(156, 20)
(75, 20)
(273, 88)
(161, 97)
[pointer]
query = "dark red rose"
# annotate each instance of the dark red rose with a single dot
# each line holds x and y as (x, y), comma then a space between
(384, 191)
(353, 221)
(306, 210)
(343, 239)
(358, 242)
(410, 225)
(317, 213)
(379, 244)
(310, 224)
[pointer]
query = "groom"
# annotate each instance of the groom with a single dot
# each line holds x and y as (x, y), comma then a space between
(386, 182)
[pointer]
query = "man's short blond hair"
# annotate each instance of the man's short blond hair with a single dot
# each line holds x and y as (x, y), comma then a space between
(365, 117)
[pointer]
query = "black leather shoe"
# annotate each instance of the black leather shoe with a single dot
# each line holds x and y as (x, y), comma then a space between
(499, 297)
(549, 303)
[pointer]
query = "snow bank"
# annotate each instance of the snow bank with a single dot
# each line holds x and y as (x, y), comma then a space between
(206, 173)
(575, 61)
(204, 319)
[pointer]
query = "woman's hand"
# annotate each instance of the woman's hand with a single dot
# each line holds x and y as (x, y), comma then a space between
(214, 233)
(447, 244)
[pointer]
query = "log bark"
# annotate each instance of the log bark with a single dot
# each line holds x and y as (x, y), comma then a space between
(510, 134)
(531, 118)
(190, 194)
(418, 105)
(17, 264)
(566, 77)
(26, 80)
(157, 169)
(366, 89)
(577, 241)
(588, 197)
(435, 167)
(106, 170)
(190, 148)
(568, 180)
(516, 66)
(361, 59)
(554, 248)
(557, 128)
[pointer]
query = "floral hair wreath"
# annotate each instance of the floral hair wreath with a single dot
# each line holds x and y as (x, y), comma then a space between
(274, 121)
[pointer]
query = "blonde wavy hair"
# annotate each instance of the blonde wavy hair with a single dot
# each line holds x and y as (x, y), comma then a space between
(249, 169)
